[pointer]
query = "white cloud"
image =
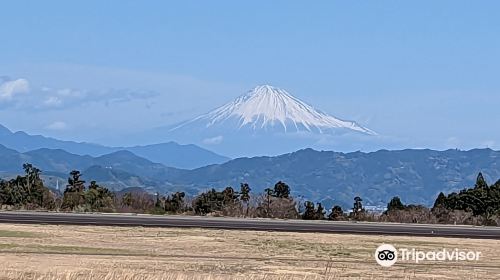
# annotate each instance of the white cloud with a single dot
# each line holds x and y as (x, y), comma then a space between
(52, 98)
(52, 101)
(68, 92)
(10, 88)
(58, 125)
(213, 141)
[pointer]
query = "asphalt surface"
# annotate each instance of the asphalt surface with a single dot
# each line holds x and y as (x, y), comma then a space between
(251, 224)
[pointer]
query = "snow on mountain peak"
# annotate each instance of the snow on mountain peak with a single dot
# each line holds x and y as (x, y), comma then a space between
(266, 107)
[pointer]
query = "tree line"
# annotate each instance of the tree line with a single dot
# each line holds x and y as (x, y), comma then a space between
(478, 205)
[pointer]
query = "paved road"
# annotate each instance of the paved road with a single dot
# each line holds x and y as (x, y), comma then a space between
(250, 224)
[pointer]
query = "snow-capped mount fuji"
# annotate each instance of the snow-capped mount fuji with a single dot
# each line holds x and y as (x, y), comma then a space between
(267, 121)
(272, 109)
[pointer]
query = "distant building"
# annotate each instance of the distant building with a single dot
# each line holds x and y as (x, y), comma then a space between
(375, 208)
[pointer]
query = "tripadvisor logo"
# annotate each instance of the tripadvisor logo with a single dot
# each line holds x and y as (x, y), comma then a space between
(387, 255)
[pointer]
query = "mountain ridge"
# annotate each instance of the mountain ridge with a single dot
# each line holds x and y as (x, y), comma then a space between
(265, 121)
(264, 105)
(417, 176)
(169, 153)
(57, 163)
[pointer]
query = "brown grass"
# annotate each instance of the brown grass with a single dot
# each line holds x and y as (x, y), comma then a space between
(44, 252)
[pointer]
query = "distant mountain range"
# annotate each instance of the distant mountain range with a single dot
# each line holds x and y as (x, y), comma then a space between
(417, 176)
(169, 154)
(118, 170)
(264, 121)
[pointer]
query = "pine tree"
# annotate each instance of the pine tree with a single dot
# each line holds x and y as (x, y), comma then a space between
(336, 214)
(440, 201)
(245, 192)
(74, 182)
(358, 206)
(230, 196)
(174, 203)
(269, 193)
(320, 212)
(481, 182)
(245, 196)
(74, 195)
(281, 190)
(395, 204)
(98, 198)
(309, 212)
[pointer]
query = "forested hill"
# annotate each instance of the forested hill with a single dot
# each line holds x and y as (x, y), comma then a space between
(417, 176)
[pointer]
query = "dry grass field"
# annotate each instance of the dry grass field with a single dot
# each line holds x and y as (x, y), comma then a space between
(46, 252)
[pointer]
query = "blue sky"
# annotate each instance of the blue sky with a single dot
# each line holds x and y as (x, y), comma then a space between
(423, 74)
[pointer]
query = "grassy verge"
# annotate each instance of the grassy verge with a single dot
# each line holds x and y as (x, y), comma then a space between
(52, 252)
